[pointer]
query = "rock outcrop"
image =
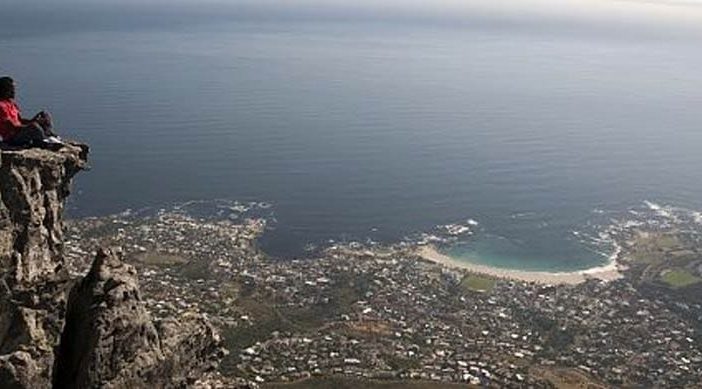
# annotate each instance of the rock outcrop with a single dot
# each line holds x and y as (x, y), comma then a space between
(87, 333)
(34, 184)
(110, 340)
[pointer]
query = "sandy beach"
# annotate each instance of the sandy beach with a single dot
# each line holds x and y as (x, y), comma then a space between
(606, 272)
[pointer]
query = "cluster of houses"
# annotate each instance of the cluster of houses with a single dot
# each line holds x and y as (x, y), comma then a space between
(384, 313)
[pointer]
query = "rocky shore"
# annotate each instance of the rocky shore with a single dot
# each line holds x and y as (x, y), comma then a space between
(61, 331)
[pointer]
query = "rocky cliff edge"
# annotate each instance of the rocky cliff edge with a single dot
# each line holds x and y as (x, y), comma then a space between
(91, 332)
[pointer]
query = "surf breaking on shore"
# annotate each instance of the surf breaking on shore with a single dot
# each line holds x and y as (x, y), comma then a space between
(607, 272)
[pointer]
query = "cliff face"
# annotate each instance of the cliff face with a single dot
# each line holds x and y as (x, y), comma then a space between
(92, 332)
(110, 338)
(33, 186)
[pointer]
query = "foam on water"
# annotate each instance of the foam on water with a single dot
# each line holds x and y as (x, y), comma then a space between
(602, 236)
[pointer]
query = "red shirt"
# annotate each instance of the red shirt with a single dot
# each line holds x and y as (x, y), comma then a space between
(9, 119)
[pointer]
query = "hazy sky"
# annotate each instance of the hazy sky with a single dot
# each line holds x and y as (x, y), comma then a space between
(684, 9)
(612, 15)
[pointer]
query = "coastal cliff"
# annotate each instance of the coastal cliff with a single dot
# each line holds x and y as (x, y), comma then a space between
(92, 332)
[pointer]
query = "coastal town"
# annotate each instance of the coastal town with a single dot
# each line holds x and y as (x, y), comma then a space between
(385, 313)
(351, 194)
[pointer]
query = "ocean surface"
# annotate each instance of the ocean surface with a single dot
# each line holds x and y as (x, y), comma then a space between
(366, 128)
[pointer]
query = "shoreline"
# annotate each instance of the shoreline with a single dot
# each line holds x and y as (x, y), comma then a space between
(607, 272)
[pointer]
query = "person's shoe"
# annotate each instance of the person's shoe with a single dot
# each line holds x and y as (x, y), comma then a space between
(51, 144)
(53, 140)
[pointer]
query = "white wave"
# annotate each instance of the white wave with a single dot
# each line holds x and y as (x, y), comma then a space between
(661, 210)
(519, 215)
(241, 208)
(652, 206)
(632, 224)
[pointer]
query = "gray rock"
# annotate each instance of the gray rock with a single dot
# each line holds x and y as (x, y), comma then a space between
(101, 335)
(111, 341)
(35, 183)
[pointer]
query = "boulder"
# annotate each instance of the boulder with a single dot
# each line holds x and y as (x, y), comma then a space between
(111, 341)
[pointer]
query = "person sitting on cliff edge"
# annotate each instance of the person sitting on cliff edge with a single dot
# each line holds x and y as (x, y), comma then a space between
(20, 132)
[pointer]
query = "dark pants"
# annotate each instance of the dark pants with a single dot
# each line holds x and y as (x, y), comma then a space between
(31, 135)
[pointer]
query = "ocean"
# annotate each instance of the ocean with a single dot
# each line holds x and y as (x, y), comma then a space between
(377, 128)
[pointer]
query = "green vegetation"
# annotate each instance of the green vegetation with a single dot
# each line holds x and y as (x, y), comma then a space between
(402, 364)
(195, 269)
(567, 378)
(556, 337)
(270, 317)
(268, 320)
(652, 248)
(354, 383)
(666, 259)
(678, 278)
(155, 258)
(477, 283)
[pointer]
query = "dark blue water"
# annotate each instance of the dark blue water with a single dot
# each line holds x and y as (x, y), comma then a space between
(363, 128)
